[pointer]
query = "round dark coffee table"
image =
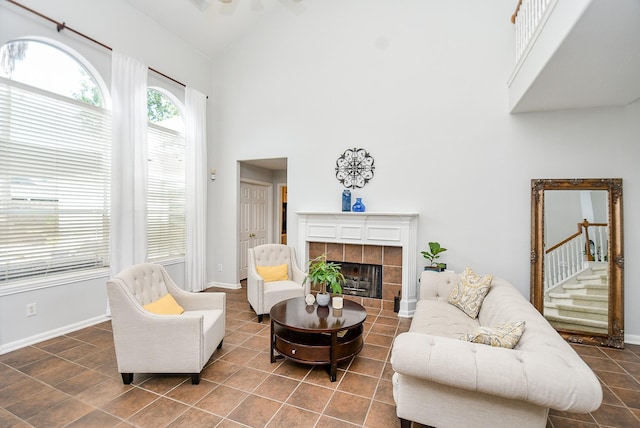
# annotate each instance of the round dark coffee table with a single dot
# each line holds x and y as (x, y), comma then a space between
(312, 334)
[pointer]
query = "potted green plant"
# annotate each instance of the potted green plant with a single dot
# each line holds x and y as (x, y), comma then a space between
(323, 274)
(432, 254)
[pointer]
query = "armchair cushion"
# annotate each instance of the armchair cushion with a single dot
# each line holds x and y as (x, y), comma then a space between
(166, 305)
(274, 273)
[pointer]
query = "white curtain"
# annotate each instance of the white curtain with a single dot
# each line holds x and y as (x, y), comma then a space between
(128, 244)
(196, 189)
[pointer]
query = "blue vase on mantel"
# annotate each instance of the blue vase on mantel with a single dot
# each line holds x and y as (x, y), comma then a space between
(358, 207)
(346, 200)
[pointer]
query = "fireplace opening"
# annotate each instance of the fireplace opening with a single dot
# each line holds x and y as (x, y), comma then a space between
(362, 280)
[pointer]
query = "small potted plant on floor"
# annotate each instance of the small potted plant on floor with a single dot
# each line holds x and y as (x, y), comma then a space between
(432, 254)
(323, 274)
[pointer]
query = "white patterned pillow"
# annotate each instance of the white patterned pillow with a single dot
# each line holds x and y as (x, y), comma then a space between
(502, 335)
(470, 292)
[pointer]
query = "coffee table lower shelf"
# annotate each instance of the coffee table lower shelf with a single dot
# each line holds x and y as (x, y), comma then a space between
(316, 348)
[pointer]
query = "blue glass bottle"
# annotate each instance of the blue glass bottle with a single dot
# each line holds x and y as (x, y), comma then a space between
(358, 207)
(346, 200)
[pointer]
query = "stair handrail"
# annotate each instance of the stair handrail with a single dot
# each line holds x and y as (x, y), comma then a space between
(573, 254)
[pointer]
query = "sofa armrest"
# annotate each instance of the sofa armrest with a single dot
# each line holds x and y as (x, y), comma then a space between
(542, 378)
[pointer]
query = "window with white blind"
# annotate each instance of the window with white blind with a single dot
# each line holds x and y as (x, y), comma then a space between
(55, 139)
(166, 233)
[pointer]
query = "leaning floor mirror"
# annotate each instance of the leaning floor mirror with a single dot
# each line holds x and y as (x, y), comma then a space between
(577, 259)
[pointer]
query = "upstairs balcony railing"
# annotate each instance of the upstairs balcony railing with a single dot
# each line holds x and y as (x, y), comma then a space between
(527, 18)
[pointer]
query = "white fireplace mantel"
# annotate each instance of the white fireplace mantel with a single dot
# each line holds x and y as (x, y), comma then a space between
(368, 228)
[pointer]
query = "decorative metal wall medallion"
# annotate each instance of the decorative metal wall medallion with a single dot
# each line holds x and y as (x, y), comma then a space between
(354, 168)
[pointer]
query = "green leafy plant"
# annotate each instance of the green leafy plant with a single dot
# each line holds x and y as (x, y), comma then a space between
(434, 253)
(323, 273)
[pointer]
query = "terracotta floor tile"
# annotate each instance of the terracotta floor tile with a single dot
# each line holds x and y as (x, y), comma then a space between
(61, 414)
(159, 413)
(188, 393)
(366, 366)
(96, 418)
(311, 397)
(74, 385)
(384, 392)
(255, 411)
(293, 417)
(606, 364)
(262, 361)
(348, 407)
(277, 387)
(23, 357)
(19, 391)
(239, 355)
(45, 398)
(293, 370)
(329, 422)
(619, 380)
(559, 422)
(194, 418)
(129, 403)
(358, 384)
(219, 371)
(374, 352)
(379, 340)
(161, 384)
(221, 400)
(630, 397)
(615, 417)
(246, 379)
(382, 415)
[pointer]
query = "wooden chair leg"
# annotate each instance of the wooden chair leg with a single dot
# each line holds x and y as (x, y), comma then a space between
(127, 378)
(404, 423)
(260, 318)
(195, 378)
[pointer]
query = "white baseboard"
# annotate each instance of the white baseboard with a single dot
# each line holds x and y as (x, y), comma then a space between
(224, 285)
(12, 346)
(632, 339)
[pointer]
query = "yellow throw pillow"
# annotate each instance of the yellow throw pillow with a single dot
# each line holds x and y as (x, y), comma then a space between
(470, 292)
(274, 273)
(166, 305)
(502, 335)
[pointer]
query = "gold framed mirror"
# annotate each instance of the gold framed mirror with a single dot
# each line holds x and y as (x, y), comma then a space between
(577, 259)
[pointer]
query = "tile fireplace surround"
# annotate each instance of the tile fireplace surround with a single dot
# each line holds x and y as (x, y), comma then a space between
(388, 239)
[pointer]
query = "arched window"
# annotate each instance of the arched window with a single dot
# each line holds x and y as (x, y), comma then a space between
(166, 233)
(54, 162)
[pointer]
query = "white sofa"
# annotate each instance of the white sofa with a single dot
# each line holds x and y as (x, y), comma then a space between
(444, 382)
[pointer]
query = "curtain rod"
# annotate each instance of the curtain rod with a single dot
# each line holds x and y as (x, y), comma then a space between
(62, 26)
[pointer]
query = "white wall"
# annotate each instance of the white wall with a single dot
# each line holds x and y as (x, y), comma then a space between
(421, 86)
(71, 304)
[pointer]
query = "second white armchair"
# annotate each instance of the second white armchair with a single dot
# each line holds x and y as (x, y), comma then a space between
(276, 282)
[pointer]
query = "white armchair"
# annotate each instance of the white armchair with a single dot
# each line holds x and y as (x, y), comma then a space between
(262, 295)
(146, 342)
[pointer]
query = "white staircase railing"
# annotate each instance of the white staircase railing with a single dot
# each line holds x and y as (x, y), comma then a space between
(527, 17)
(570, 257)
(564, 261)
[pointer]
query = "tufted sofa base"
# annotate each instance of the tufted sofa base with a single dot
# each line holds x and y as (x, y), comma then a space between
(444, 382)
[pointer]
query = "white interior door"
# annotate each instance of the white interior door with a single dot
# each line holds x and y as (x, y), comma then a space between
(253, 220)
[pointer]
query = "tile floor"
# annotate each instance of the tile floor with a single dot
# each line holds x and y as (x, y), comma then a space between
(72, 381)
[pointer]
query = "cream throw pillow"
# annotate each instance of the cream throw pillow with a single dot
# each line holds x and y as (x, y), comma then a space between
(502, 335)
(470, 292)
(166, 305)
(274, 273)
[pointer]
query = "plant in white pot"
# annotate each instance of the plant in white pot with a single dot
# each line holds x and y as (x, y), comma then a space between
(323, 274)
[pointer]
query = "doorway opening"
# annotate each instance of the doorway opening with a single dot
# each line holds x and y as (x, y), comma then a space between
(262, 207)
